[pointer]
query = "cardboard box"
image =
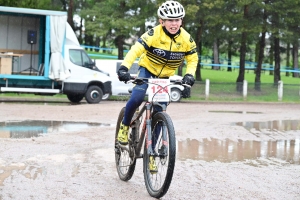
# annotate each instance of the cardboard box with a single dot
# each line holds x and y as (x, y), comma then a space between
(5, 65)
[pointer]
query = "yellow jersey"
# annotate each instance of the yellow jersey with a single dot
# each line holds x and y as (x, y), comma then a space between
(161, 54)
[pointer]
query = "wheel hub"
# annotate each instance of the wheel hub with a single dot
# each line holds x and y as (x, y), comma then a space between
(94, 94)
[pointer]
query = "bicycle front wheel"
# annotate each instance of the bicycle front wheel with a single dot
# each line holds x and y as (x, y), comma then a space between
(124, 155)
(164, 148)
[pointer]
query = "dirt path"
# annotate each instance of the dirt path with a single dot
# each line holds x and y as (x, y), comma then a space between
(225, 151)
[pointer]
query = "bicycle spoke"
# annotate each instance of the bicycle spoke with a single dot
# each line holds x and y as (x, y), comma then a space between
(164, 149)
(157, 180)
(124, 158)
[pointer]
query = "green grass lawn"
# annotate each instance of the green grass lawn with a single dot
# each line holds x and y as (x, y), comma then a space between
(223, 87)
(229, 77)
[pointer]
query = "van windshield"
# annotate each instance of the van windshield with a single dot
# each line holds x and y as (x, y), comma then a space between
(79, 57)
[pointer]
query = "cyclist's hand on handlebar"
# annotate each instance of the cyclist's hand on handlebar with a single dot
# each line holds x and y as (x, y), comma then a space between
(123, 74)
(188, 79)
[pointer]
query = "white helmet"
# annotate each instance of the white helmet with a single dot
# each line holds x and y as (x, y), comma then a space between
(170, 10)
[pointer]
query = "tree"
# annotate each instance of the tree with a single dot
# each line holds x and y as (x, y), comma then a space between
(241, 75)
(37, 4)
(291, 34)
(261, 46)
(193, 23)
(118, 20)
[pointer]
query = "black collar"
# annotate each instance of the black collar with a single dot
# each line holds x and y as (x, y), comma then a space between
(172, 36)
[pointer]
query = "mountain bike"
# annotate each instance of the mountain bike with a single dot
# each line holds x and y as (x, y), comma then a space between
(155, 134)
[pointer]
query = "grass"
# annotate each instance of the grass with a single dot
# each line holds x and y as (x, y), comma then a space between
(223, 87)
(224, 76)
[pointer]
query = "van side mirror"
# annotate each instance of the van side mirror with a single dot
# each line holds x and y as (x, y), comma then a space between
(90, 65)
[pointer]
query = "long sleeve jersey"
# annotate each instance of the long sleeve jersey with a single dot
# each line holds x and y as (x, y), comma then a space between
(161, 54)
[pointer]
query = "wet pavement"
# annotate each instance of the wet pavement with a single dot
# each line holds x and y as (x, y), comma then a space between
(232, 151)
(224, 151)
(37, 128)
(208, 149)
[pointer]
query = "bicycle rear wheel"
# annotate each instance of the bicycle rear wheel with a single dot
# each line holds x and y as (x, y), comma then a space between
(164, 146)
(124, 155)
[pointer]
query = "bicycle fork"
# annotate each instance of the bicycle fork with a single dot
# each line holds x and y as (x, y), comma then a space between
(150, 144)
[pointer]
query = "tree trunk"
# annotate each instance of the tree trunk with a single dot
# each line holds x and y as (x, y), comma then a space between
(277, 60)
(104, 42)
(80, 31)
(261, 46)
(70, 14)
(257, 45)
(271, 56)
(295, 58)
(87, 41)
(229, 55)
(241, 76)
(199, 46)
(260, 61)
(97, 43)
(288, 49)
(216, 54)
(120, 42)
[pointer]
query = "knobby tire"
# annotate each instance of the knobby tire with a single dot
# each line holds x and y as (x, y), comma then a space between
(158, 184)
(125, 166)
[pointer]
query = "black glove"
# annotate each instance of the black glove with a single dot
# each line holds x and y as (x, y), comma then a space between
(188, 79)
(123, 74)
(186, 92)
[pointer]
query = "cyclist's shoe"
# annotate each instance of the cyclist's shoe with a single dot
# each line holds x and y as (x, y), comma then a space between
(123, 134)
(152, 165)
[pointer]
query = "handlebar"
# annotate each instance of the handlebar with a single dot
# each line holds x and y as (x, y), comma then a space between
(140, 81)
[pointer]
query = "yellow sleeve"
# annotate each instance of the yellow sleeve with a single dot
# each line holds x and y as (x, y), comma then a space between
(192, 62)
(135, 52)
(143, 43)
(192, 58)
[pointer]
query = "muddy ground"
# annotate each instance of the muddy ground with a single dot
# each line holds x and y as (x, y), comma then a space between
(225, 151)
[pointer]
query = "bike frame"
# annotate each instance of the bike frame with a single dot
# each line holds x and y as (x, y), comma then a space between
(146, 129)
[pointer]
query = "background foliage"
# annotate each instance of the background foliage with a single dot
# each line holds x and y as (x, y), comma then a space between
(265, 31)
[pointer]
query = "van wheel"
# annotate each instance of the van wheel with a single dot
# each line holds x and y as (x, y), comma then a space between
(106, 96)
(93, 94)
(75, 98)
(175, 94)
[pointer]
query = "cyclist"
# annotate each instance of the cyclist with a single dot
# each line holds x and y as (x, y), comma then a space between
(161, 50)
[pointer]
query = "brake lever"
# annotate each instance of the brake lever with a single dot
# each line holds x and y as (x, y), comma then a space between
(138, 81)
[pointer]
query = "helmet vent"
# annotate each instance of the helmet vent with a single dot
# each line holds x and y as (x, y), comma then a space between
(171, 10)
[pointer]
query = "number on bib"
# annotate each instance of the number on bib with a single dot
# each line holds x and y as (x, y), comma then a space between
(159, 91)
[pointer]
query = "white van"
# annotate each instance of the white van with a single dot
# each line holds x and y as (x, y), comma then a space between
(41, 55)
(120, 88)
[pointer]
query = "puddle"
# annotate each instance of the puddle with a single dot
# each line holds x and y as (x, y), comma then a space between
(276, 125)
(29, 172)
(28, 129)
(232, 151)
(230, 111)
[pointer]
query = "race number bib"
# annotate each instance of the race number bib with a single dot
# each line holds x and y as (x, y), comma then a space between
(159, 90)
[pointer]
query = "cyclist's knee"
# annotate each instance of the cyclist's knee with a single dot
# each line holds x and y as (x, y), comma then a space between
(138, 95)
